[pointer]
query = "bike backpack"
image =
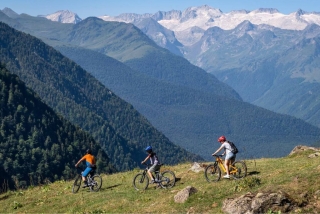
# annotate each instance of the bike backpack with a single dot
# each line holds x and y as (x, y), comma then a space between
(234, 149)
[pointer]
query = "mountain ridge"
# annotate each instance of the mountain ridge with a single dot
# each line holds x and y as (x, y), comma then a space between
(84, 101)
(197, 120)
(63, 16)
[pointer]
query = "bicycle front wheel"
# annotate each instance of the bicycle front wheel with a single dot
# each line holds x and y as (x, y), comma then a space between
(168, 179)
(239, 169)
(96, 182)
(141, 181)
(77, 184)
(212, 173)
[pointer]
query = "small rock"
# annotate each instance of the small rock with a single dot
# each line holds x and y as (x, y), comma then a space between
(184, 194)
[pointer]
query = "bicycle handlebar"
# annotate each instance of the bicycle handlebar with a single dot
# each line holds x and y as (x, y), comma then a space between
(217, 155)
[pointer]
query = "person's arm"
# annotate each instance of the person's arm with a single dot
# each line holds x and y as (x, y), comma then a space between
(221, 147)
(145, 159)
(79, 162)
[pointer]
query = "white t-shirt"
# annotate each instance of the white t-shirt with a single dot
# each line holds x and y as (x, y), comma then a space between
(226, 147)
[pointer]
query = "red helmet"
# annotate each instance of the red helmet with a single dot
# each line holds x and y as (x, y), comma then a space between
(222, 138)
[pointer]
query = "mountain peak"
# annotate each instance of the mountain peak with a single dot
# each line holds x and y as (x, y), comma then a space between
(266, 10)
(239, 12)
(64, 16)
(204, 9)
(301, 12)
(9, 12)
(245, 26)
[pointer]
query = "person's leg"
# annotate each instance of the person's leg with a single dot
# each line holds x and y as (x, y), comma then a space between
(84, 175)
(150, 175)
(227, 163)
(150, 171)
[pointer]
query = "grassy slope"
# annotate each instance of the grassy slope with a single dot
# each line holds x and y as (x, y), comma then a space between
(295, 175)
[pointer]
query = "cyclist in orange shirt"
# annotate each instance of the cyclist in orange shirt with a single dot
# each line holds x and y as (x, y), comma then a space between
(91, 165)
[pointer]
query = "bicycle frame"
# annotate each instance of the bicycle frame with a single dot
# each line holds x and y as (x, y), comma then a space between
(237, 169)
(164, 179)
(220, 163)
(94, 182)
(156, 174)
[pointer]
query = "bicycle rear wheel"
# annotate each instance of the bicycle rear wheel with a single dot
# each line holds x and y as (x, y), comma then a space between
(141, 181)
(168, 179)
(96, 182)
(77, 184)
(238, 169)
(212, 173)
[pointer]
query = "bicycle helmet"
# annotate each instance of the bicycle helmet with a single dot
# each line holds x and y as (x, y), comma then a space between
(148, 149)
(89, 151)
(222, 139)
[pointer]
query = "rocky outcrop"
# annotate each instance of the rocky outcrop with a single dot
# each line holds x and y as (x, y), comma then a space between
(302, 148)
(259, 203)
(197, 167)
(184, 194)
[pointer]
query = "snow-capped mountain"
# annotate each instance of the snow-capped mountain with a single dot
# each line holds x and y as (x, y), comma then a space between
(205, 17)
(63, 16)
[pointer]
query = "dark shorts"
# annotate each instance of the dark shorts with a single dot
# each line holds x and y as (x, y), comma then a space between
(154, 168)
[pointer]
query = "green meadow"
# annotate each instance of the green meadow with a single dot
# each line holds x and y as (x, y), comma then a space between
(296, 175)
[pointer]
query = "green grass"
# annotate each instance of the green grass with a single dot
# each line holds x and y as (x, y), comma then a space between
(296, 175)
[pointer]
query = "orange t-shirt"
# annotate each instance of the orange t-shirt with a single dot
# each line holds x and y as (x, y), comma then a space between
(90, 160)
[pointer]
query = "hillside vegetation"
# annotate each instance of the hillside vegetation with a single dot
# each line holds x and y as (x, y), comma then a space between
(297, 175)
(186, 115)
(36, 144)
(179, 99)
(189, 106)
(80, 98)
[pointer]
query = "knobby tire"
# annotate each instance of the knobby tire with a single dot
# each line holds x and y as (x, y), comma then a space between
(96, 182)
(241, 169)
(77, 184)
(168, 179)
(141, 181)
(212, 173)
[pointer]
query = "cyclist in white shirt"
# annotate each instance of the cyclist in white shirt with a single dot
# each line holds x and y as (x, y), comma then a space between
(230, 157)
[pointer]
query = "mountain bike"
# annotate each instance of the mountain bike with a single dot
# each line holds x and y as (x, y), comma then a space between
(94, 182)
(238, 169)
(165, 179)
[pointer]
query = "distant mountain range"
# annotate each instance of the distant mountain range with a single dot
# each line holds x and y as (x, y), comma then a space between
(63, 16)
(269, 58)
(187, 104)
(205, 17)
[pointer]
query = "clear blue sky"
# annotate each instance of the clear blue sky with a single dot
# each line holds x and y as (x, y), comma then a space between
(86, 8)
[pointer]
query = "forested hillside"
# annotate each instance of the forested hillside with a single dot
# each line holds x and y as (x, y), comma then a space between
(83, 100)
(181, 100)
(35, 143)
(123, 42)
(183, 113)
